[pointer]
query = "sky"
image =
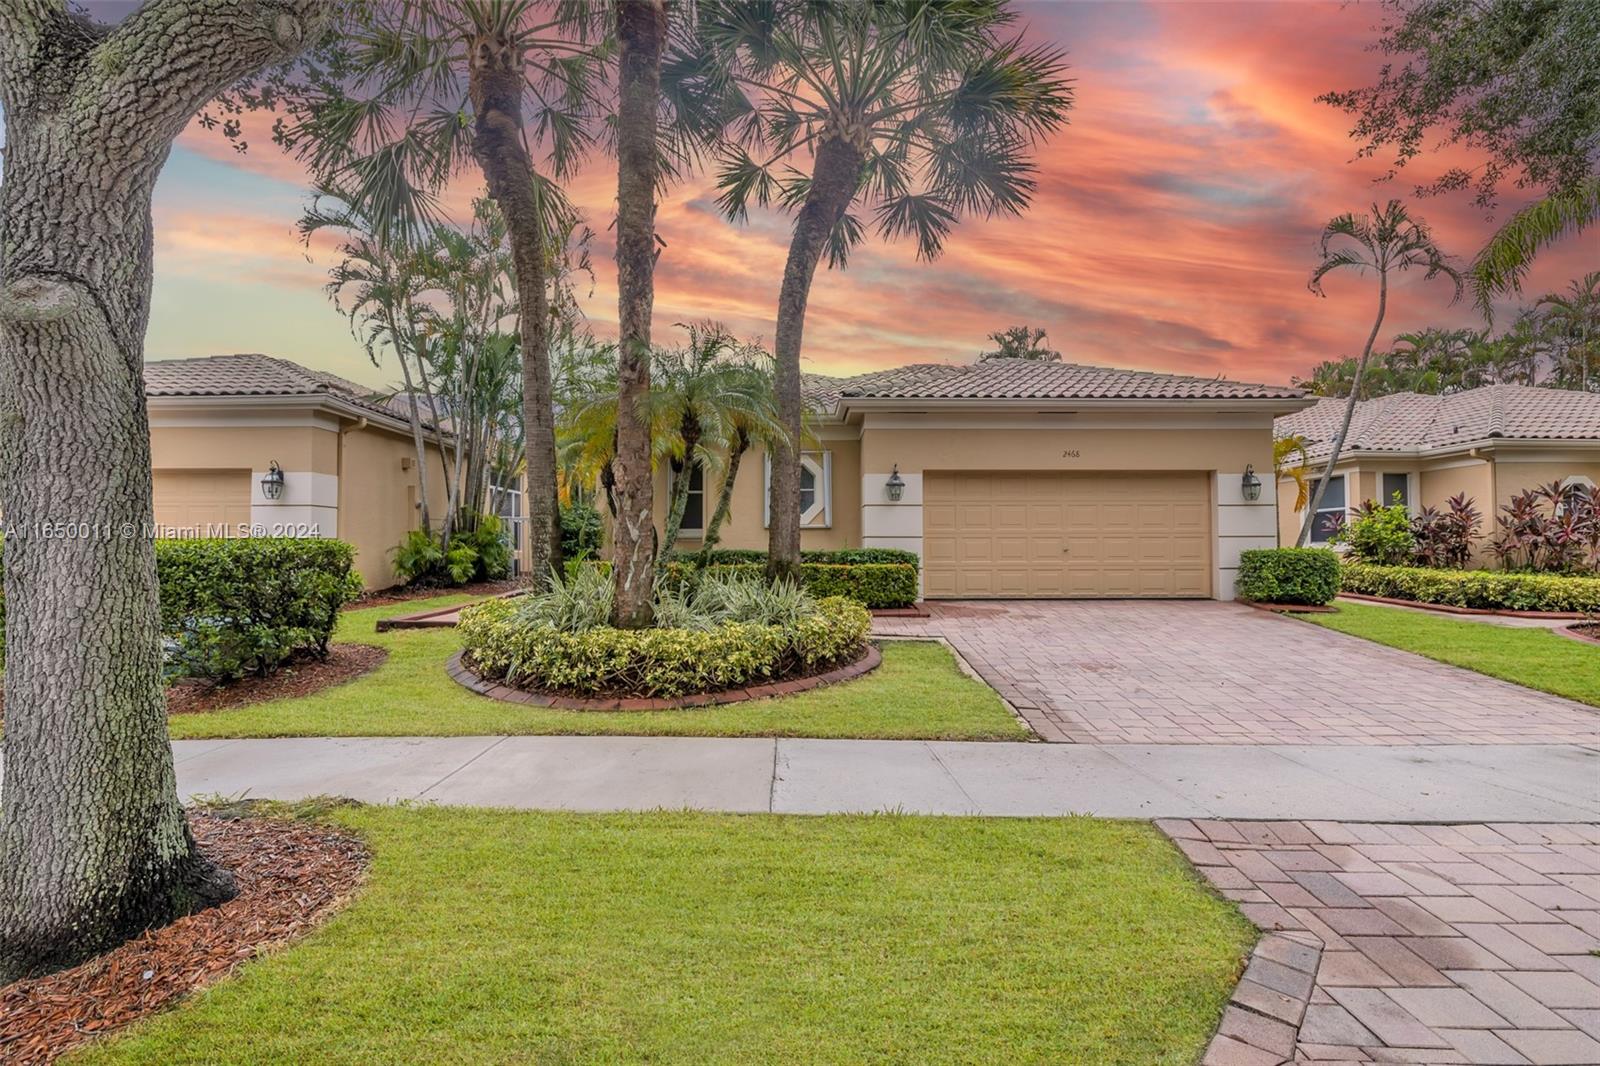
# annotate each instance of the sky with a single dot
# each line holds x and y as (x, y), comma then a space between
(1174, 226)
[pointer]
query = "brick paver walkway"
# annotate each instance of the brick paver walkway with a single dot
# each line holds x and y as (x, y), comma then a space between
(1409, 943)
(1202, 672)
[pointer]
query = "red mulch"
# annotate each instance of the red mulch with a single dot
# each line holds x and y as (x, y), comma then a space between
(345, 662)
(407, 593)
(292, 875)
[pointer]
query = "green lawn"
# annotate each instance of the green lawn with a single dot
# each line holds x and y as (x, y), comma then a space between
(499, 937)
(918, 692)
(1536, 658)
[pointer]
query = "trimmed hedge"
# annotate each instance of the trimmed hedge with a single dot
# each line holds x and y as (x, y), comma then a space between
(247, 605)
(1498, 590)
(658, 662)
(1307, 576)
(873, 585)
(830, 556)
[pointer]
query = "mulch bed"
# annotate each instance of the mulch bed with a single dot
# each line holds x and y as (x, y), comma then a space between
(1586, 631)
(407, 593)
(345, 662)
(292, 876)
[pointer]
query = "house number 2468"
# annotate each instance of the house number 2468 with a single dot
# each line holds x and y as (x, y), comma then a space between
(1071, 453)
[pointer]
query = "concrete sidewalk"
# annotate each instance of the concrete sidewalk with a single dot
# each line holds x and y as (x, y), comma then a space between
(1450, 783)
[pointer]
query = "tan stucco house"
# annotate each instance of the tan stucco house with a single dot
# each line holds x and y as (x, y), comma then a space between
(1030, 479)
(219, 423)
(1489, 443)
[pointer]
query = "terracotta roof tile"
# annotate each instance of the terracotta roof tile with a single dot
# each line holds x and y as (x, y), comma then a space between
(251, 374)
(1409, 421)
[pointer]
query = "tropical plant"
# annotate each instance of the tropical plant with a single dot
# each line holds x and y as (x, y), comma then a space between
(1572, 321)
(1445, 538)
(1553, 528)
(94, 846)
(1020, 342)
(1291, 460)
(1379, 533)
(919, 113)
(1390, 240)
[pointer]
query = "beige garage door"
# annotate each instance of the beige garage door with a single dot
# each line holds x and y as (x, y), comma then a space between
(1047, 534)
(202, 501)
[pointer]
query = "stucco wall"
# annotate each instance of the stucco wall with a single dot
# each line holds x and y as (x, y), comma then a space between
(378, 496)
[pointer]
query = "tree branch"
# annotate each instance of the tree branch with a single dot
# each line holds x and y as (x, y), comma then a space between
(23, 24)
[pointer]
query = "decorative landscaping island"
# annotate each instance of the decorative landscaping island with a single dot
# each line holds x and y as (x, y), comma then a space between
(727, 639)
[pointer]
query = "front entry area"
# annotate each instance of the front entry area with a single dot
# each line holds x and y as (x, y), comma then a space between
(1055, 535)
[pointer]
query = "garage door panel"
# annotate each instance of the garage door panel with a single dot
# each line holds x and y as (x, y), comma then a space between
(202, 502)
(1049, 534)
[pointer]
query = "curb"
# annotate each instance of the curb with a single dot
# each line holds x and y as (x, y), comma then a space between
(464, 676)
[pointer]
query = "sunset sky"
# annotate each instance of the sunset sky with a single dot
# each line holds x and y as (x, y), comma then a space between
(1174, 227)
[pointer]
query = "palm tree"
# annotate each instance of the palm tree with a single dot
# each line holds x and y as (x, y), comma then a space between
(921, 113)
(1501, 265)
(1390, 240)
(1573, 318)
(1020, 342)
(457, 73)
(1290, 459)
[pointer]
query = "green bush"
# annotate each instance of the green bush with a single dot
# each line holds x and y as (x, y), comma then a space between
(1381, 535)
(478, 552)
(503, 645)
(582, 532)
(491, 555)
(873, 585)
(1288, 575)
(1500, 590)
(231, 607)
(832, 556)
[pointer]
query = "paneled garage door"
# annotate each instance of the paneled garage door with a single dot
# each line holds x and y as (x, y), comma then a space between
(1054, 535)
(202, 500)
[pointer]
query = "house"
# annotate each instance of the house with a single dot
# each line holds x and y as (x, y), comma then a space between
(1029, 479)
(220, 424)
(1489, 443)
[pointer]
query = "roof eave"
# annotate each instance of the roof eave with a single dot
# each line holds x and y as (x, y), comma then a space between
(316, 400)
(1274, 405)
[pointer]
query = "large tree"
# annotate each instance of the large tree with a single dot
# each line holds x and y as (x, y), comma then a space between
(93, 842)
(920, 112)
(1514, 81)
(1020, 342)
(1389, 241)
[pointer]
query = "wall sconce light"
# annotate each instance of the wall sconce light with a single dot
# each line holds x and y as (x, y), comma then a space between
(895, 487)
(272, 482)
(1250, 485)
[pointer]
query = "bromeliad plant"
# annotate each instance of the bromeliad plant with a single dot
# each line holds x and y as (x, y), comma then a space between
(1554, 528)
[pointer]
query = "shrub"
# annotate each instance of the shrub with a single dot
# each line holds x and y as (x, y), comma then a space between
(1288, 575)
(476, 552)
(231, 607)
(874, 585)
(578, 600)
(1444, 538)
(1379, 535)
(582, 532)
(503, 645)
(831, 556)
(1499, 590)
(1552, 529)
(486, 540)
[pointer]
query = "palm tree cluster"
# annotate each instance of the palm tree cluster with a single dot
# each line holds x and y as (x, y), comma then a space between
(1555, 343)
(1020, 342)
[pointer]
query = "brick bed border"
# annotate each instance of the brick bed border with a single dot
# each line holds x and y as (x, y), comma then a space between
(1573, 632)
(495, 690)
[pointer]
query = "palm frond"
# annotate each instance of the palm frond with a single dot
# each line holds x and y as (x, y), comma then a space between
(1502, 264)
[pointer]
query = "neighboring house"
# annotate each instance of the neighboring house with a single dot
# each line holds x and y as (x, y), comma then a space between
(1489, 443)
(219, 423)
(1029, 479)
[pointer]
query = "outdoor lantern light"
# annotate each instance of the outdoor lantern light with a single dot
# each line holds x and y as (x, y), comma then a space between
(1250, 485)
(272, 482)
(895, 486)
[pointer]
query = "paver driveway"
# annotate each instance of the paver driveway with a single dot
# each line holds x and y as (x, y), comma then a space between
(1203, 672)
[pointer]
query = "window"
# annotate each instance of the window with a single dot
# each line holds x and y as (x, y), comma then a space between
(1394, 485)
(816, 491)
(694, 511)
(1330, 516)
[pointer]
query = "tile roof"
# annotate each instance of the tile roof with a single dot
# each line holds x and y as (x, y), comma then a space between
(1027, 379)
(252, 374)
(1409, 421)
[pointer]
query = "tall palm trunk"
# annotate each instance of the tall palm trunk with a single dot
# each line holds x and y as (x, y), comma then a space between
(93, 842)
(416, 423)
(834, 180)
(641, 35)
(680, 485)
(1349, 413)
(495, 85)
(713, 535)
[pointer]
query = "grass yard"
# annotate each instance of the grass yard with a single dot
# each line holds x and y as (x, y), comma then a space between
(498, 937)
(918, 693)
(1532, 657)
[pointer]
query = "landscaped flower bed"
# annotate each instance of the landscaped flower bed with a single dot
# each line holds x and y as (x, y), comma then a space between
(1498, 590)
(729, 633)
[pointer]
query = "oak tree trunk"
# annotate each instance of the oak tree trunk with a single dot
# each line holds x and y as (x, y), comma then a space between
(834, 180)
(495, 86)
(641, 35)
(93, 843)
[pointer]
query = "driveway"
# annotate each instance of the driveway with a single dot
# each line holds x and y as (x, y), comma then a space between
(1203, 672)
